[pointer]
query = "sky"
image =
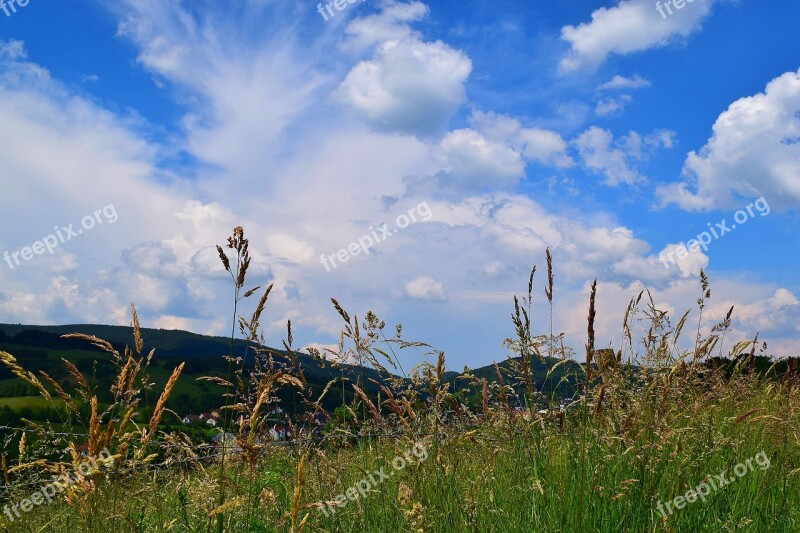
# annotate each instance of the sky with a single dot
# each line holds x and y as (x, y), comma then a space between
(411, 158)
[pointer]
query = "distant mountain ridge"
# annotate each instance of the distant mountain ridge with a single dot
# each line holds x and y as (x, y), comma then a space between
(40, 348)
(163, 340)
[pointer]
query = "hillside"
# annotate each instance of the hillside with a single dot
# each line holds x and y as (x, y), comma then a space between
(40, 348)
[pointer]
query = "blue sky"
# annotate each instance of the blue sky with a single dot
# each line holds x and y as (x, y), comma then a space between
(604, 130)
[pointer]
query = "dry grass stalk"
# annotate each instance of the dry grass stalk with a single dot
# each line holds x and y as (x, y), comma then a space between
(94, 429)
(590, 342)
(746, 415)
(548, 291)
(125, 378)
(78, 376)
(230, 505)
(21, 448)
(155, 419)
(70, 403)
(485, 397)
(4, 466)
(297, 496)
(376, 415)
(393, 405)
(262, 396)
(11, 362)
(138, 343)
(100, 343)
(409, 409)
(598, 406)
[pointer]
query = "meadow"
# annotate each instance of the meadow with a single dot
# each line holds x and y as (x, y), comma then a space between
(603, 447)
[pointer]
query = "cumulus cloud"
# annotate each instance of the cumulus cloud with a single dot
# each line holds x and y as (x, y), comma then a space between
(628, 27)
(688, 261)
(777, 312)
(615, 158)
(640, 147)
(408, 86)
(542, 146)
(85, 145)
(758, 307)
(754, 151)
(390, 24)
(598, 154)
(172, 322)
(286, 247)
(473, 161)
(426, 288)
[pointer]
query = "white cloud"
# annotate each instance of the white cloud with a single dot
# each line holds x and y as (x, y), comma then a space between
(688, 261)
(621, 82)
(243, 102)
(501, 128)
(390, 24)
(600, 152)
(640, 147)
(493, 268)
(471, 160)
(85, 146)
(628, 27)
(408, 86)
(597, 153)
(775, 313)
(758, 307)
(64, 263)
(284, 246)
(611, 106)
(426, 288)
(172, 322)
(331, 353)
(754, 151)
(543, 146)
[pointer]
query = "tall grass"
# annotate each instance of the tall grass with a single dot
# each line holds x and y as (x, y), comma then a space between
(647, 422)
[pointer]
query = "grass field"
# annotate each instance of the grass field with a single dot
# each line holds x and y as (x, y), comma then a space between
(36, 402)
(505, 474)
(654, 441)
